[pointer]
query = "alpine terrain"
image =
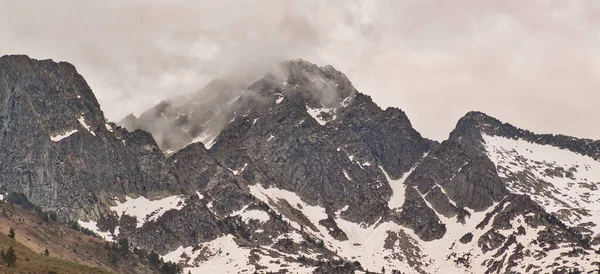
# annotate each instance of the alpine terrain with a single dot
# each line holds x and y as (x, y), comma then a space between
(298, 172)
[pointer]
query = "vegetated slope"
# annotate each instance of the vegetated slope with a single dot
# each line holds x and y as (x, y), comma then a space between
(29, 261)
(70, 248)
(69, 251)
(309, 175)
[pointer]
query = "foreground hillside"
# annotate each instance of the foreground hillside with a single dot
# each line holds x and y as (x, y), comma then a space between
(33, 237)
(29, 261)
(298, 172)
(69, 250)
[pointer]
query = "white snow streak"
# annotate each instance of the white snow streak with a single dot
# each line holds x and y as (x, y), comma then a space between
(398, 187)
(346, 175)
(93, 226)
(81, 120)
(59, 137)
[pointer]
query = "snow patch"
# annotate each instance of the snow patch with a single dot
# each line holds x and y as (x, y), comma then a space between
(366, 245)
(239, 171)
(59, 137)
(93, 226)
(279, 99)
(439, 250)
(146, 210)
(313, 213)
(205, 138)
(253, 214)
(316, 114)
(398, 187)
(221, 255)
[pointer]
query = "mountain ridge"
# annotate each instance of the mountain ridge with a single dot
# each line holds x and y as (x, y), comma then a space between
(299, 170)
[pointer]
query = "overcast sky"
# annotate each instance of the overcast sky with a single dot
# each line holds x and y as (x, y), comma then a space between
(535, 64)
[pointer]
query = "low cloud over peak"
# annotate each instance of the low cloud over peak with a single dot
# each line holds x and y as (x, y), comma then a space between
(535, 64)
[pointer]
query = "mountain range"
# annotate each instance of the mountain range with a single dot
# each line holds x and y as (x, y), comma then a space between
(298, 172)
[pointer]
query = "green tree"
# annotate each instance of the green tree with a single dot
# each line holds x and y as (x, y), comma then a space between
(11, 233)
(113, 258)
(53, 216)
(154, 258)
(124, 244)
(46, 252)
(170, 268)
(10, 257)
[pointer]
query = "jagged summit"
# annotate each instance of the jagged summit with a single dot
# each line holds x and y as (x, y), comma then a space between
(475, 123)
(25, 64)
(295, 84)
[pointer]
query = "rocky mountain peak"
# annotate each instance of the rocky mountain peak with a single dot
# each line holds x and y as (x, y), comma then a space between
(475, 123)
(322, 86)
(470, 127)
(298, 172)
(56, 95)
(200, 117)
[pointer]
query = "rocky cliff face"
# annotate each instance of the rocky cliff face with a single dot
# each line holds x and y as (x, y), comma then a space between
(56, 143)
(298, 171)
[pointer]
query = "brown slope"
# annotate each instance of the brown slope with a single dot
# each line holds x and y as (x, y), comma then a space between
(70, 251)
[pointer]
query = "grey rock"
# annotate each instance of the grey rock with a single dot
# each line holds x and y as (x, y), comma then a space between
(75, 176)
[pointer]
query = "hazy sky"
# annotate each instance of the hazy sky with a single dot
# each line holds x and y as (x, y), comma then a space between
(535, 64)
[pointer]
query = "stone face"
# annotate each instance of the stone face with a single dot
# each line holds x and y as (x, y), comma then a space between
(455, 176)
(75, 175)
(466, 238)
(331, 165)
(388, 134)
(193, 224)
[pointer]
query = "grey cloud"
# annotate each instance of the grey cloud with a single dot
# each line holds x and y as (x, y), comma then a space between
(535, 64)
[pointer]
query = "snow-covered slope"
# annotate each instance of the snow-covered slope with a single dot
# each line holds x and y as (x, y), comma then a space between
(565, 183)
